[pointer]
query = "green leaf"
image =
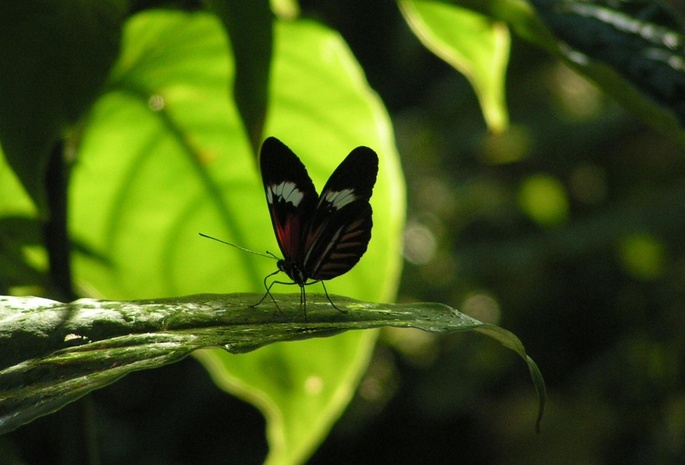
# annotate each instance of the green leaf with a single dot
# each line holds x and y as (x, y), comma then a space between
(56, 57)
(164, 156)
(53, 353)
(13, 197)
(22, 262)
(16, 268)
(286, 9)
(664, 69)
(248, 24)
(299, 400)
(643, 42)
(472, 43)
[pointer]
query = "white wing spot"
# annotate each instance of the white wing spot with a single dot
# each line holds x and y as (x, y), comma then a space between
(286, 191)
(340, 198)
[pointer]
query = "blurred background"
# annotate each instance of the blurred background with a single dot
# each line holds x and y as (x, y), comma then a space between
(566, 230)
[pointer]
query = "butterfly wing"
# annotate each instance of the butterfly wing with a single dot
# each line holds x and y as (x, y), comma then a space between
(340, 228)
(290, 195)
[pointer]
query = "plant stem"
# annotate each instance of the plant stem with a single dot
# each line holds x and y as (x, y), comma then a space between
(55, 229)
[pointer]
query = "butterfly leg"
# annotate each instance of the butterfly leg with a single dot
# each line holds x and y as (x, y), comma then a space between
(303, 302)
(329, 299)
(268, 292)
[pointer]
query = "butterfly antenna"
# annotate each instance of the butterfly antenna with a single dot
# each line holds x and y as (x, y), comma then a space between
(267, 254)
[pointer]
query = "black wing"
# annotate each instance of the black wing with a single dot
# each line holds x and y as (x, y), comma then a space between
(340, 228)
(290, 195)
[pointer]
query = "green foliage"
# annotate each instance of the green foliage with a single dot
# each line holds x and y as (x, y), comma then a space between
(639, 63)
(164, 156)
(252, 48)
(473, 44)
(56, 56)
(160, 114)
(54, 353)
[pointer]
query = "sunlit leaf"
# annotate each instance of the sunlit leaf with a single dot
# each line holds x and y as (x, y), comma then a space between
(248, 24)
(648, 88)
(164, 156)
(470, 42)
(55, 59)
(20, 230)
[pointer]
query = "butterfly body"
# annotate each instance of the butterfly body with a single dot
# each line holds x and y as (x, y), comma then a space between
(320, 236)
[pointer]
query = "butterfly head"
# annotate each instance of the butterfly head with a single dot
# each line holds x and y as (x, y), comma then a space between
(293, 271)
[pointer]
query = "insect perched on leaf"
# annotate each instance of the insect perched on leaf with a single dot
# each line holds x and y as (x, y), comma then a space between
(320, 236)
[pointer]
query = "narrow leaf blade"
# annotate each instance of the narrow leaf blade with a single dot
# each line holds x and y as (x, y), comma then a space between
(87, 344)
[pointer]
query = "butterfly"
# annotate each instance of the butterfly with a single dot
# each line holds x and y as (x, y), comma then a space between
(320, 236)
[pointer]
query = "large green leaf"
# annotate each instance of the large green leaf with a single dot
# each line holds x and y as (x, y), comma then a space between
(53, 353)
(55, 59)
(648, 81)
(22, 263)
(248, 25)
(164, 156)
(472, 43)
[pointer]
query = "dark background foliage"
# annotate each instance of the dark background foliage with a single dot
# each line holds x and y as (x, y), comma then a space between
(596, 294)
